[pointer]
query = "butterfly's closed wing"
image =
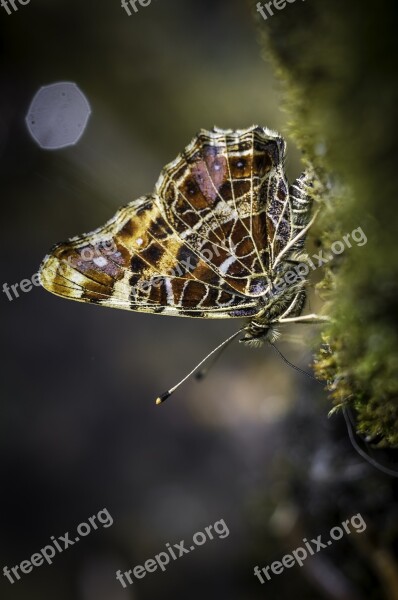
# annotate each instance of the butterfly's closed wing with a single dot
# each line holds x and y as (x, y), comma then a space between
(201, 245)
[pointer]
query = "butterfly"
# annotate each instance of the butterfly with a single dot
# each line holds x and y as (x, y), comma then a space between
(216, 240)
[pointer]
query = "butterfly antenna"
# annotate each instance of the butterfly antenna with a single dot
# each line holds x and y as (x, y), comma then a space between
(292, 365)
(203, 372)
(349, 424)
(167, 394)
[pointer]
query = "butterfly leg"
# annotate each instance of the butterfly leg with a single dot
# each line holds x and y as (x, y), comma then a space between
(307, 319)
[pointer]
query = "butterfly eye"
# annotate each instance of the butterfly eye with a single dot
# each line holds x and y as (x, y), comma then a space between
(217, 166)
(240, 164)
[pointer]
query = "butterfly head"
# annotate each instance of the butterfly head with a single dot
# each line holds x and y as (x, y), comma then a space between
(257, 332)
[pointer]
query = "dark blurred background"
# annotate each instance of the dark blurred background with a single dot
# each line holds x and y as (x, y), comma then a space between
(251, 444)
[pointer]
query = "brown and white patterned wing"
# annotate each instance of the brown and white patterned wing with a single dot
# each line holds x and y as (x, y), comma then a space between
(137, 262)
(204, 244)
(215, 197)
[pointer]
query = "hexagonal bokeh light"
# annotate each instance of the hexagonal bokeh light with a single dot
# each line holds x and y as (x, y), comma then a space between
(58, 115)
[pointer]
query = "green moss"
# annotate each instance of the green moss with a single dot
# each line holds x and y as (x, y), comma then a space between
(335, 60)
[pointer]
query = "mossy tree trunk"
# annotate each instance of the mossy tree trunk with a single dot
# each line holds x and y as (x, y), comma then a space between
(336, 60)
